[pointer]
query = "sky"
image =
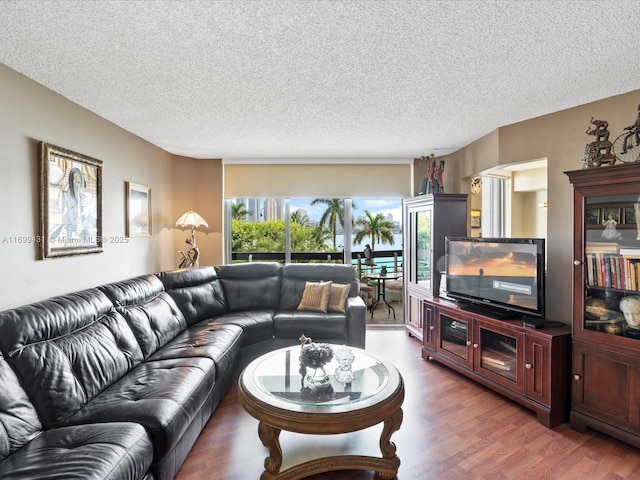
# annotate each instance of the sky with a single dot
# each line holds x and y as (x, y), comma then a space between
(385, 206)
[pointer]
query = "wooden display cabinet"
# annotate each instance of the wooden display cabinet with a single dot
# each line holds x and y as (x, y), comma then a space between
(428, 219)
(529, 366)
(606, 334)
(420, 318)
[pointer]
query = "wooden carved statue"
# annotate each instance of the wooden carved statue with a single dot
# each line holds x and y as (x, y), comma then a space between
(599, 151)
(633, 133)
(431, 177)
(426, 186)
(438, 186)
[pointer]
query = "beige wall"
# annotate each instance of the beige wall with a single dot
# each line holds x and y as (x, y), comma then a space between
(529, 190)
(31, 114)
(197, 186)
(560, 137)
(318, 180)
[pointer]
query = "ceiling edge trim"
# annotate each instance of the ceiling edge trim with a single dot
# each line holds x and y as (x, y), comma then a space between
(316, 161)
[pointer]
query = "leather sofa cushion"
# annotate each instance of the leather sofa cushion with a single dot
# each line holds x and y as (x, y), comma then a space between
(296, 275)
(251, 286)
(220, 343)
(116, 451)
(163, 395)
(67, 350)
(257, 325)
(318, 326)
(197, 292)
(151, 313)
(19, 423)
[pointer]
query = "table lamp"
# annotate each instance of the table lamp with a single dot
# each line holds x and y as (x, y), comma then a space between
(193, 220)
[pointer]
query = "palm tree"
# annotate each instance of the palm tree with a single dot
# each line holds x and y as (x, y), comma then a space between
(239, 211)
(301, 218)
(376, 227)
(332, 215)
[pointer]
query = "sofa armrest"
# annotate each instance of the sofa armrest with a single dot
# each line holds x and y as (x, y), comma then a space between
(356, 312)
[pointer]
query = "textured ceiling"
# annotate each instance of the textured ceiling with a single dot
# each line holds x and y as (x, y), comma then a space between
(323, 79)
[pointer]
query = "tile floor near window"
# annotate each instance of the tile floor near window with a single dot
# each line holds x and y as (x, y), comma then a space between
(381, 315)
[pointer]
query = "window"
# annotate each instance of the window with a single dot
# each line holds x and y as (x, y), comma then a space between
(311, 229)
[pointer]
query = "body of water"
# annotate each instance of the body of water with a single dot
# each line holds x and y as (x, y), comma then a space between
(379, 247)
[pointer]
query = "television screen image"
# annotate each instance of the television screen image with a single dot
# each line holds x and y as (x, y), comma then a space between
(502, 273)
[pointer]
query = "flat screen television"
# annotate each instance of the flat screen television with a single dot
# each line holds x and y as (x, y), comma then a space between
(504, 276)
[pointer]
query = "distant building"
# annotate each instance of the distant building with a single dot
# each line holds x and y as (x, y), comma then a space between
(272, 208)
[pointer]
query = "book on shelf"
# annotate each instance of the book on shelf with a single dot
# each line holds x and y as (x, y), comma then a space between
(631, 252)
(627, 248)
(592, 274)
(606, 272)
(601, 247)
(496, 363)
(632, 270)
(498, 357)
(612, 271)
(496, 366)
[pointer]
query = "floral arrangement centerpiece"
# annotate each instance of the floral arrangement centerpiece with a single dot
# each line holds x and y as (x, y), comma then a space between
(314, 356)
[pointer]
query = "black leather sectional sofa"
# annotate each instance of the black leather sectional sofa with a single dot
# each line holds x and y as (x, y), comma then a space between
(117, 381)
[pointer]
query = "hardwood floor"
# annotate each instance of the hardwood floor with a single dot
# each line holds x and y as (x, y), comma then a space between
(453, 429)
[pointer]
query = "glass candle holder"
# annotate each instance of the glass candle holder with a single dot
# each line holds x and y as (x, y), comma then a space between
(345, 357)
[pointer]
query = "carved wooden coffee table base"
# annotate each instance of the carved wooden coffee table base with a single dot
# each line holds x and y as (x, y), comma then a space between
(385, 467)
(277, 414)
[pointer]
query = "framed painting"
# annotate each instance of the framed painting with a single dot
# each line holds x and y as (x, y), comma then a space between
(630, 215)
(476, 219)
(138, 212)
(592, 217)
(70, 190)
(611, 214)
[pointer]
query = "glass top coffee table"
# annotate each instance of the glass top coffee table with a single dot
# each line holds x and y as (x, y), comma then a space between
(272, 390)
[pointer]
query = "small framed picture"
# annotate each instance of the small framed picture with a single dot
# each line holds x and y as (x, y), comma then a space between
(611, 214)
(138, 210)
(630, 215)
(592, 217)
(476, 219)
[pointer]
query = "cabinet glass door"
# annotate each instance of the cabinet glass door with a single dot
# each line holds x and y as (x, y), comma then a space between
(423, 248)
(454, 336)
(612, 264)
(499, 354)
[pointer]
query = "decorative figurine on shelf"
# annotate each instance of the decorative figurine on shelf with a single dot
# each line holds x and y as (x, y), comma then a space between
(599, 151)
(426, 186)
(438, 186)
(610, 232)
(431, 177)
(630, 307)
(634, 131)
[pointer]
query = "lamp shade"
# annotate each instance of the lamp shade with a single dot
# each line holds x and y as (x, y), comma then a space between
(191, 219)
